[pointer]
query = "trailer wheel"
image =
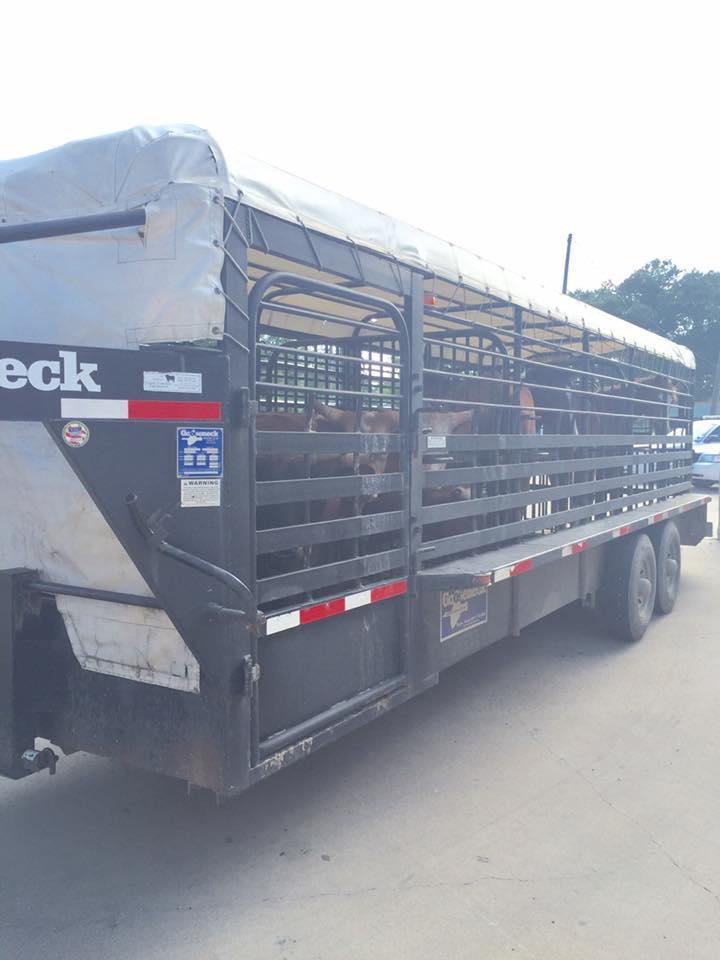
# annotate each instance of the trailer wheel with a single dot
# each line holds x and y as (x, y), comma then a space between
(630, 586)
(667, 558)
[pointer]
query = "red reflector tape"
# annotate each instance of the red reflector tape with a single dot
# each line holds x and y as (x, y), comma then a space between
(579, 546)
(331, 608)
(322, 610)
(389, 590)
(521, 567)
(623, 531)
(173, 410)
(658, 517)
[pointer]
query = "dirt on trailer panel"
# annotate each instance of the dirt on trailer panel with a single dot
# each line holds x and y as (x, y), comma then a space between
(554, 797)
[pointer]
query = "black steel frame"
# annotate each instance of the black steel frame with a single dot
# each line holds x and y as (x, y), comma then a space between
(469, 352)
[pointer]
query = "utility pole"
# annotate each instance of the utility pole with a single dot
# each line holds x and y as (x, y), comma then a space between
(567, 263)
(715, 401)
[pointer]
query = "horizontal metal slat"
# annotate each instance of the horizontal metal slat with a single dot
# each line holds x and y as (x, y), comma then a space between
(526, 498)
(517, 471)
(271, 441)
(308, 534)
(323, 488)
(302, 581)
(529, 441)
(483, 538)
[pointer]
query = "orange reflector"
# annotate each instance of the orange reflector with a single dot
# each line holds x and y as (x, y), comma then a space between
(430, 300)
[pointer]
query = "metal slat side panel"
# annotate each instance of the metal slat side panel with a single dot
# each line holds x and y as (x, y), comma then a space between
(314, 578)
(483, 538)
(452, 511)
(528, 470)
(503, 562)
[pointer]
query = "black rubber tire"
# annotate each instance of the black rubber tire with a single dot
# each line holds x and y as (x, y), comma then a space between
(666, 541)
(628, 595)
(702, 484)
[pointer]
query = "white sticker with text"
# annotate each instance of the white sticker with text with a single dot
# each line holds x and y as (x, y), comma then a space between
(200, 493)
(174, 381)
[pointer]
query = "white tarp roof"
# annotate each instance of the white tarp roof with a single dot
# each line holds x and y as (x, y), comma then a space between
(166, 282)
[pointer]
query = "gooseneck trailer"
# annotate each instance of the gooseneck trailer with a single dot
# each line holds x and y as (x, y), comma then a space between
(271, 461)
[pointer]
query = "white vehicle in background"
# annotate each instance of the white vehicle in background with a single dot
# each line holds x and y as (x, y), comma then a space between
(706, 452)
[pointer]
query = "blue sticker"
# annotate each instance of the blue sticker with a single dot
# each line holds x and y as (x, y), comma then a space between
(200, 452)
(461, 610)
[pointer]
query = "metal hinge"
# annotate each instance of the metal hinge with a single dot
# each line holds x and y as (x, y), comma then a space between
(250, 675)
(244, 408)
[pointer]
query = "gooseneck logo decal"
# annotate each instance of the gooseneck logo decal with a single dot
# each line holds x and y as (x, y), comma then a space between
(64, 374)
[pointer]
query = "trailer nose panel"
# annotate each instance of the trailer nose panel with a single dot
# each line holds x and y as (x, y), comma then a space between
(49, 523)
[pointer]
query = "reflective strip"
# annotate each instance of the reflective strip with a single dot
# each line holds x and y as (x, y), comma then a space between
(282, 622)
(173, 410)
(331, 608)
(503, 573)
(322, 610)
(75, 409)
(358, 600)
(389, 590)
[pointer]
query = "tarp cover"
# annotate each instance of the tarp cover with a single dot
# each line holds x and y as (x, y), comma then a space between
(122, 288)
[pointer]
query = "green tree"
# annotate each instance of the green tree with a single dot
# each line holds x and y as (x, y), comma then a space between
(682, 305)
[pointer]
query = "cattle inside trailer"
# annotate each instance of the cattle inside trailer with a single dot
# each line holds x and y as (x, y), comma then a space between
(271, 461)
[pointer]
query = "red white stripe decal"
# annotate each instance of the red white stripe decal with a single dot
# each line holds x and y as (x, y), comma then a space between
(570, 549)
(331, 608)
(74, 409)
(173, 410)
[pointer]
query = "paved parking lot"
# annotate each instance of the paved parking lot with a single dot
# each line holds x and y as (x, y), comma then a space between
(556, 797)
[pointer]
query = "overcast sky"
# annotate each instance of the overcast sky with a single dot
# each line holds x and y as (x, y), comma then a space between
(501, 126)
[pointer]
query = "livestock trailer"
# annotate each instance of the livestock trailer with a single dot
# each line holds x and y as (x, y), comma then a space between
(271, 461)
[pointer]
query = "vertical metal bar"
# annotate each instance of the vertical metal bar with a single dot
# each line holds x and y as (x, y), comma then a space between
(16, 732)
(241, 714)
(583, 451)
(566, 271)
(517, 456)
(418, 661)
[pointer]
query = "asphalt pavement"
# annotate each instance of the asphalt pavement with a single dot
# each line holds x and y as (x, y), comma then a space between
(557, 796)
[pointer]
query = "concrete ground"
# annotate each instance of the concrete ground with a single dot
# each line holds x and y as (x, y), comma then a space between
(556, 797)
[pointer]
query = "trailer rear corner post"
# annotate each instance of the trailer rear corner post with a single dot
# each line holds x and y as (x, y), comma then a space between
(17, 733)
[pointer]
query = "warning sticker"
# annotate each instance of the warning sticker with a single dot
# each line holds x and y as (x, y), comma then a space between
(200, 452)
(460, 610)
(173, 381)
(200, 493)
(435, 442)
